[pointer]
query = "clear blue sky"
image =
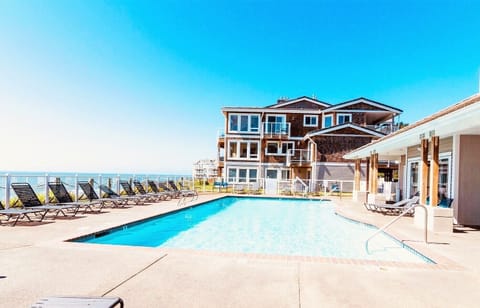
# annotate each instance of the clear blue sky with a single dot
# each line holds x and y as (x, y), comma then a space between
(137, 86)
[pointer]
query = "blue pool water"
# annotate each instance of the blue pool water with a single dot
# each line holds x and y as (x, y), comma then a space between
(262, 225)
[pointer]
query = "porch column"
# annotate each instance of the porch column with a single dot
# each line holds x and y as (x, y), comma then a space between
(356, 177)
(434, 167)
(424, 167)
(369, 173)
(374, 173)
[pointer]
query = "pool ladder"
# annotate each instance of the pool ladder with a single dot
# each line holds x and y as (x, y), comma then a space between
(184, 199)
(396, 219)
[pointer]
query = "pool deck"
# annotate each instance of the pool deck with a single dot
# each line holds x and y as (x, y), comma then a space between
(37, 262)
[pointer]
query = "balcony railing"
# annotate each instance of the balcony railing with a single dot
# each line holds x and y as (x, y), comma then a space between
(276, 129)
(386, 128)
(299, 157)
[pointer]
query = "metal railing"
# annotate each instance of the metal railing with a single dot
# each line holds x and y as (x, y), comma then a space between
(298, 157)
(276, 129)
(39, 183)
(405, 212)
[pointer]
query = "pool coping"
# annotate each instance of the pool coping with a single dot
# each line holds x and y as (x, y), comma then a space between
(440, 262)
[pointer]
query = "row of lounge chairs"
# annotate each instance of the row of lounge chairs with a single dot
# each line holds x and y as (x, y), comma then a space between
(32, 207)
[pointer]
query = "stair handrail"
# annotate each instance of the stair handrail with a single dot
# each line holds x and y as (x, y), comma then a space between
(396, 219)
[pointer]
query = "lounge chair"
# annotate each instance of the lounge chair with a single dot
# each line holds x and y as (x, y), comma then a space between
(396, 208)
(173, 193)
(113, 195)
(64, 198)
(20, 213)
(129, 191)
(167, 192)
(158, 196)
(91, 195)
(183, 193)
(29, 199)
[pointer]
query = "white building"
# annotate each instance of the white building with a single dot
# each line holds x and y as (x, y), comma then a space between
(205, 168)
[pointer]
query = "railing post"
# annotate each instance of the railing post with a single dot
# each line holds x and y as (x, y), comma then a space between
(76, 187)
(8, 181)
(47, 197)
(118, 184)
(99, 183)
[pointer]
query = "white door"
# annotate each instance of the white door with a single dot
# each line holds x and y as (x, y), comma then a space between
(271, 182)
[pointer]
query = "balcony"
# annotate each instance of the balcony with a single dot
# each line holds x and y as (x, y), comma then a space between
(299, 158)
(385, 128)
(276, 130)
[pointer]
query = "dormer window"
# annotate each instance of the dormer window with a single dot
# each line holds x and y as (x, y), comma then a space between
(344, 118)
(310, 120)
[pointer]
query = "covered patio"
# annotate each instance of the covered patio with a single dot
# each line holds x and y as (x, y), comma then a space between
(437, 159)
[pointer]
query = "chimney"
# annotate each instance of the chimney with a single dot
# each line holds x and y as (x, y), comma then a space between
(282, 100)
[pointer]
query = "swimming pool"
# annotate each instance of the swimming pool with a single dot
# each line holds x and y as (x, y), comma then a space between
(296, 227)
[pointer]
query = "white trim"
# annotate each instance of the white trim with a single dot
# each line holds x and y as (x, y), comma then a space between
(323, 120)
(335, 164)
(255, 136)
(269, 110)
(348, 135)
(296, 100)
(345, 125)
(365, 101)
(362, 110)
(312, 116)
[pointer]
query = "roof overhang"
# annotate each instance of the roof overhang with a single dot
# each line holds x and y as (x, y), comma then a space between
(461, 118)
(330, 130)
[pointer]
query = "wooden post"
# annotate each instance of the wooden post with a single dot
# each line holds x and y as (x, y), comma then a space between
(369, 173)
(424, 167)
(356, 186)
(375, 173)
(434, 167)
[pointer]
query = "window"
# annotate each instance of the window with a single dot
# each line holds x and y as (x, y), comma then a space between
(310, 120)
(232, 150)
(287, 148)
(242, 175)
(272, 148)
(275, 148)
(271, 174)
(343, 118)
(232, 175)
(276, 124)
(327, 121)
(242, 149)
(285, 174)
(243, 123)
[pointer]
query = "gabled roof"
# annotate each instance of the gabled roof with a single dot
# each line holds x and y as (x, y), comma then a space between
(458, 118)
(337, 128)
(300, 99)
(363, 100)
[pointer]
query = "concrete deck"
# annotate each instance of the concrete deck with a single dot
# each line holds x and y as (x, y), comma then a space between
(36, 262)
